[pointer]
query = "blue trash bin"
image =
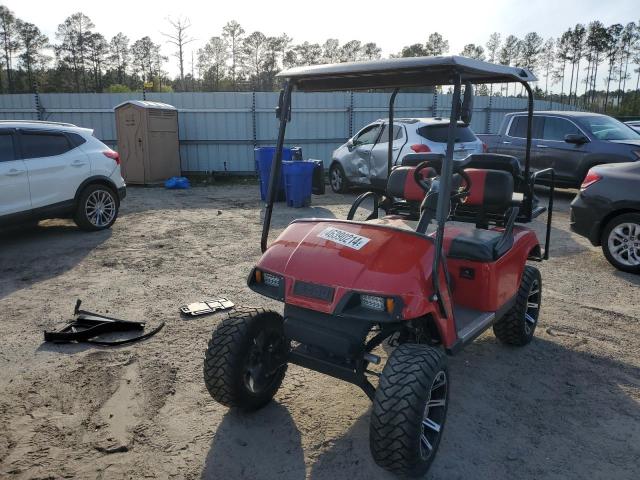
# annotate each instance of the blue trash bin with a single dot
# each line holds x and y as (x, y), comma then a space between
(297, 183)
(264, 158)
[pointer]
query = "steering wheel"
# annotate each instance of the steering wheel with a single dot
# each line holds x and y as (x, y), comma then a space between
(426, 184)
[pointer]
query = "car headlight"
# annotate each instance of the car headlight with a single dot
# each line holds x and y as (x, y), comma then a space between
(637, 153)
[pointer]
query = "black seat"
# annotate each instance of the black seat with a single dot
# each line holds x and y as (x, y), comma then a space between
(479, 245)
(490, 194)
(495, 161)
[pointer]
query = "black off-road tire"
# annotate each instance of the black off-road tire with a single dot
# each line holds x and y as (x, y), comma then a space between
(336, 169)
(80, 216)
(229, 350)
(518, 325)
(626, 218)
(399, 407)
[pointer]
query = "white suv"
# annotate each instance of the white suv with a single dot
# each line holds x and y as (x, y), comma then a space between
(57, 170)
(363, 160)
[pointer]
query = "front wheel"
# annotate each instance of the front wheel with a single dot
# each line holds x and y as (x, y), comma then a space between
(621, 242)
(338, 179)
(97, 208)
(409, 409)
(245, 361)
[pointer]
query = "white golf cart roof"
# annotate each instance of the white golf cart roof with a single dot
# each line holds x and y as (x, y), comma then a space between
(402, 72)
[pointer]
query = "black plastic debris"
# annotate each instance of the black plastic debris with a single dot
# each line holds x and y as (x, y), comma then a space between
(86, 326)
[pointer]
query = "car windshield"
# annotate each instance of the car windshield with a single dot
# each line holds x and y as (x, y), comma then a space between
(607, 128)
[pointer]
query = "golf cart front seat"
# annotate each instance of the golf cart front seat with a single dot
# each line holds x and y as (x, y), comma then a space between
(491, 192)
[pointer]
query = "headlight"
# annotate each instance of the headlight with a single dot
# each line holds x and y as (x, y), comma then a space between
(372, 302)
(637, 153)
(379, 304)
(266, 283)
(271, 280)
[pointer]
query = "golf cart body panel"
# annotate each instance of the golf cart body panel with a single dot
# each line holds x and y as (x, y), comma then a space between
(387, 258)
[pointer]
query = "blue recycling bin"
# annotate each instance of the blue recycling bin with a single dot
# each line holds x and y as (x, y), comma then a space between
(264, 158)
(297, 183)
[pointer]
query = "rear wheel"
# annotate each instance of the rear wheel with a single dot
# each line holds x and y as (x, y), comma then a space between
(518, 325)
(409, 409)
(338, 179)
(97, 208)
(245, 361)
(621, 242)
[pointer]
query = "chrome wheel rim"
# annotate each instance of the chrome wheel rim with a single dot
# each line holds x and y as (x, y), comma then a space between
(433, 417)
(100, 208)
(533, 307)
(624, 244)
(336, 179)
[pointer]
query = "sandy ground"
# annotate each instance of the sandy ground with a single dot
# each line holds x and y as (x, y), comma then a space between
(566, 406)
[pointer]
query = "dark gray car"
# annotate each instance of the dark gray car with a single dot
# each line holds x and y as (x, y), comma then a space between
(607, 212)
(569, 142)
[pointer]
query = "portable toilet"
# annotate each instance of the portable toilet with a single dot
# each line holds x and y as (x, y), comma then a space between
(148, 141)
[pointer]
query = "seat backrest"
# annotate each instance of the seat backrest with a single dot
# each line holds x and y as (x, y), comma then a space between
(402, 184)
(415, 159)
(491, 190)
(495, 161)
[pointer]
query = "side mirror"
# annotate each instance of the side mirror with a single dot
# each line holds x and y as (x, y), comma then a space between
(576, 138)
(350, 145)
(466, 112)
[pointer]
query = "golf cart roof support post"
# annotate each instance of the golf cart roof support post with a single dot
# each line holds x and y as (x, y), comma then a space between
(528, 192)
(392, 101)
(276, 165)
(444, 196)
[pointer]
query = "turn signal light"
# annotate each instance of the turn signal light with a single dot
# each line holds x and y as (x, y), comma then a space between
(390, 305)
(258, 276)
(591, 178)
(420, 148)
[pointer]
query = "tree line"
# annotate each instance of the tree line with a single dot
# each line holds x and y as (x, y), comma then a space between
(589, 66)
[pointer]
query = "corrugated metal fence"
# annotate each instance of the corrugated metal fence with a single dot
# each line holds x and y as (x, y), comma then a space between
(219, 130)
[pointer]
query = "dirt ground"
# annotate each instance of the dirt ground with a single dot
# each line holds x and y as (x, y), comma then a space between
(566, 406)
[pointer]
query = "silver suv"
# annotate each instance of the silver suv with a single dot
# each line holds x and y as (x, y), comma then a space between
(362, 161)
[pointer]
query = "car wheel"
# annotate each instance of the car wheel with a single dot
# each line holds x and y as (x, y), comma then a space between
(621, 242)
(409, 409)
(338, 179)
(97, 208)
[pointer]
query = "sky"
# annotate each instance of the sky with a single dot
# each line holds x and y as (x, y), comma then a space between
(391, 25)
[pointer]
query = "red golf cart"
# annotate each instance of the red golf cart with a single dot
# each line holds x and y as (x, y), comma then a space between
(407, 275)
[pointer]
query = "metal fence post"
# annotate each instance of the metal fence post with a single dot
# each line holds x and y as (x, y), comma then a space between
(489, 110)
(254, 122)
(36, 97)
(434, 103)
(350, 113)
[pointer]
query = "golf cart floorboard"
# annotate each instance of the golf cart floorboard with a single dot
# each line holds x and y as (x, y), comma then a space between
(470, 323)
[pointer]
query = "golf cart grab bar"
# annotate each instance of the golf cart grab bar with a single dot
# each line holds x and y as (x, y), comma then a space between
(534, 177)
